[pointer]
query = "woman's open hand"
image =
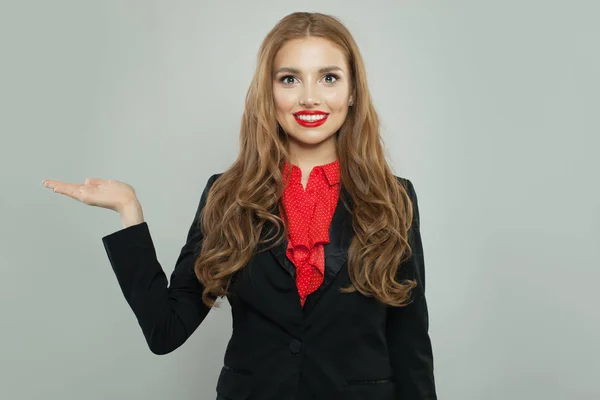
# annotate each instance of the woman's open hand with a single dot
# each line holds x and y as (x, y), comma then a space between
(111, 194)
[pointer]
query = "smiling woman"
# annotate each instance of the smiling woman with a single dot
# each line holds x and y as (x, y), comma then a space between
(311, 89)
(312, 170)
(309, 234)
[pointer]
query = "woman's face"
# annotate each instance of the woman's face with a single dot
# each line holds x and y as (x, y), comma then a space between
(311, 75)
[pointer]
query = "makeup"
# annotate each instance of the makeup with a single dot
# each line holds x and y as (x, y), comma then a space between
(311, 119)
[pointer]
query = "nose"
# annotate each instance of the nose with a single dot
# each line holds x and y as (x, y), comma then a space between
(309, 97)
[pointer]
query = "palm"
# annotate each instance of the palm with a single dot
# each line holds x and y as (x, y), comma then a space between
(111, 194)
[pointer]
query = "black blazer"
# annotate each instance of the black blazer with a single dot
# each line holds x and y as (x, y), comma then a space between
(338, 346)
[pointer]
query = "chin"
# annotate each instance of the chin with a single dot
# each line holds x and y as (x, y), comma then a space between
(310, 138)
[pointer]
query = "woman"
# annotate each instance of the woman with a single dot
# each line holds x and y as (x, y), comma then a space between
(309, 235)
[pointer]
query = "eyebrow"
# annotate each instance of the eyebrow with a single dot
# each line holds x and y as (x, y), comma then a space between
(322, 70)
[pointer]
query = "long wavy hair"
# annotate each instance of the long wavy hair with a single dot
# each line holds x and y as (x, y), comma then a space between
(239, 202)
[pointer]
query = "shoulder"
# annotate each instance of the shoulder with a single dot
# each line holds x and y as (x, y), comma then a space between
(412, 194)
(407, 184)
(402, 180)
(208, 186)
(213, 178)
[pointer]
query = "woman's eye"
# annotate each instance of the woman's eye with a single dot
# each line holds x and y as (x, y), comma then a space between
(334, 76)
(283, 80)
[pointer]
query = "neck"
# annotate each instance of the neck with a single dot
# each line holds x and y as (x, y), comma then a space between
(308, 156)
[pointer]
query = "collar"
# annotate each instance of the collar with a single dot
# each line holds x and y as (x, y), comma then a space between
(330, 170)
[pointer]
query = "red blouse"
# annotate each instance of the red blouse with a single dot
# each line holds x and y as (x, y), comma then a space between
(310, 213)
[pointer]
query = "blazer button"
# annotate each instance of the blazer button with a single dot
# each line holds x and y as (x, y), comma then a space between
(295, 346)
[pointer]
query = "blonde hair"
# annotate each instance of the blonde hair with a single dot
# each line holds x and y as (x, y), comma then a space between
(238, 204)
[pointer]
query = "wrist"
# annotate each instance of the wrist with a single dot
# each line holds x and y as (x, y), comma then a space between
(131, 214)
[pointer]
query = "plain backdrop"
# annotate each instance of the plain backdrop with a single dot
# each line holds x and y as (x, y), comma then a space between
(489, 107)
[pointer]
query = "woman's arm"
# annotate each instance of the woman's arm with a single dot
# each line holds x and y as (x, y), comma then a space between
(407, 327)
(167, 315)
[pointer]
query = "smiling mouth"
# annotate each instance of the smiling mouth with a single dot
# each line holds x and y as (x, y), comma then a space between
(311, 121)
(310, 118)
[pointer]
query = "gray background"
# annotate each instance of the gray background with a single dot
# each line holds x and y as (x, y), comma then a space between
(490, 108)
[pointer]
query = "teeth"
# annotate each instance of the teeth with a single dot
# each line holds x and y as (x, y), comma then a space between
(311, 118)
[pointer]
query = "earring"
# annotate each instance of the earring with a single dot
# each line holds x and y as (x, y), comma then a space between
(351, 102)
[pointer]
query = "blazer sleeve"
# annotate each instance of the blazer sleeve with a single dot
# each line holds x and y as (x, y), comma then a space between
(407, 327)
(167, 315)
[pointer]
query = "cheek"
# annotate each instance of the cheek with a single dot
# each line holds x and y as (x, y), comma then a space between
(284, 100)
(336, 100)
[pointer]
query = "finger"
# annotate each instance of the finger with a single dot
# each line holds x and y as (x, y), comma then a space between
(49, 183)
(52, 184)
(73, 190)
(94, 181)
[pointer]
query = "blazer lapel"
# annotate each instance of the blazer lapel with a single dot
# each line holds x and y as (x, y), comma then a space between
(336, 251)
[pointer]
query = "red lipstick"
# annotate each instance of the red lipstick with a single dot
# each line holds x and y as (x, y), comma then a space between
(311, 124)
